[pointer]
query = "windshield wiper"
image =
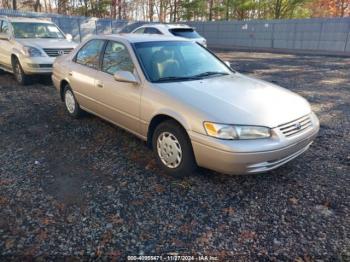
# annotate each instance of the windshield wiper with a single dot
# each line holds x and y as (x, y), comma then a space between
(184, 78)
(175, 78)
(209, 73)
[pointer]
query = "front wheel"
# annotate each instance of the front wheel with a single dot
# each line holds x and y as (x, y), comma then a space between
(173, 150)
(20, 76)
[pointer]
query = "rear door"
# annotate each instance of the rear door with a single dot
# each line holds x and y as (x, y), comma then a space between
(82, 74)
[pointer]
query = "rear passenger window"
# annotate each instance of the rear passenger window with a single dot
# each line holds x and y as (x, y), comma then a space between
(116, 58)
(4, 27)
(139, 31)
(151, 30)
(89, 54)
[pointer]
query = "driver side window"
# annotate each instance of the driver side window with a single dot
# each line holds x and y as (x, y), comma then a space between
(116, 58)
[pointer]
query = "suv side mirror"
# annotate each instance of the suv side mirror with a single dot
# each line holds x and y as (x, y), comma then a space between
(125, 76)
(69, 37)
(4, 36)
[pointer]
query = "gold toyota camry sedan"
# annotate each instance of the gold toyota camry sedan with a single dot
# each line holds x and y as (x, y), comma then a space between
(190, 107)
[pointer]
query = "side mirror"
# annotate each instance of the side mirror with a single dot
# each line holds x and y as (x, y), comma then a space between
(4, 36)
(126, 76)
(227, 63)
(69, 37)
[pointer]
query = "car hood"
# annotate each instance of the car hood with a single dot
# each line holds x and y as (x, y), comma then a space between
(239, 99)
(47, 43)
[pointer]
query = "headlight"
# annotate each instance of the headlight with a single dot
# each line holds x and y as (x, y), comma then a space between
(236, 131)
(32, 51)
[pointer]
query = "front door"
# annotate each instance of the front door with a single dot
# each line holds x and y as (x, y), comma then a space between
(121, 100)
(5, 46)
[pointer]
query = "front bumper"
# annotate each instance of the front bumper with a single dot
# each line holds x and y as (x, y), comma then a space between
(250, 156)
(37, 65)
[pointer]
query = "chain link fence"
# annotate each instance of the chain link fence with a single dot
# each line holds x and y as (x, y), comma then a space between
(324, 36)
(80, 27)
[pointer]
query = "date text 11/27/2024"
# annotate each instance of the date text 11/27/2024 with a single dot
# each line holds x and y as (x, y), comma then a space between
(172, 258)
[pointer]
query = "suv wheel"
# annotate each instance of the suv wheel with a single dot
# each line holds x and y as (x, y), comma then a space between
(173, 149)
(71, 103)
(20, 76)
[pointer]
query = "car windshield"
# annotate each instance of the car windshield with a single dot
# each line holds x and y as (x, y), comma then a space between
(184, 32)
(36, 30)
(168, 61)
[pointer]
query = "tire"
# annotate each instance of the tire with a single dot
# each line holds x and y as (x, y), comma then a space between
(173, 149)
(71, 104)
(20, 76)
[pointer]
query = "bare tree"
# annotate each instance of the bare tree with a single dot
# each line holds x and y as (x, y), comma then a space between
(37, 6)
(150, 10)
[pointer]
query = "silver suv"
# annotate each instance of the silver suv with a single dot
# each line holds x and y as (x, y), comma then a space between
(29, 46)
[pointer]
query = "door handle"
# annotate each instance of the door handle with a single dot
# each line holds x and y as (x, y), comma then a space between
(100, 85)
(70, 73)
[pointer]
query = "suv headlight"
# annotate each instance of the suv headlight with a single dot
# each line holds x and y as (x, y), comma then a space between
(224, 131)
(32, 51)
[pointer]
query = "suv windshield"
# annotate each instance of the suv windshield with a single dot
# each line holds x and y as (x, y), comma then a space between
(36, 30)
(184, 32)
(168, 61)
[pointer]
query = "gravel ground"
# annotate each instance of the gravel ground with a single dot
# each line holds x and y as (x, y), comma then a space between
(85, 188)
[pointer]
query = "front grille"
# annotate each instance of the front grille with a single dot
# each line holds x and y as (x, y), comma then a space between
(45, 65)
(54, 52)
(297, 126)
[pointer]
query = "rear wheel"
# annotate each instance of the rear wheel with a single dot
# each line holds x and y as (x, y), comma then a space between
(71, 103)
(173, 149)
(20, 76)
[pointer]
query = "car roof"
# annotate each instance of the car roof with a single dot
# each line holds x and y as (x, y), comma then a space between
(137, 38)
(166, 26)
(27, 20)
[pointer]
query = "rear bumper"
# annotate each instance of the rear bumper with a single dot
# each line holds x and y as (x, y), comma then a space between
(220, 158)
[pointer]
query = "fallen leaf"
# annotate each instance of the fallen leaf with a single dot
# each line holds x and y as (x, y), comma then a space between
(47, 221)
(42, 235)
(247, 235)
(327, 204)
(293, 201)
(229, 211)
(9, 243)
(205, 238)
(3, 200)
(151, 165)
(114, 254)
(159, 188)
(185, 228)
(116, 219)
(4, 182)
